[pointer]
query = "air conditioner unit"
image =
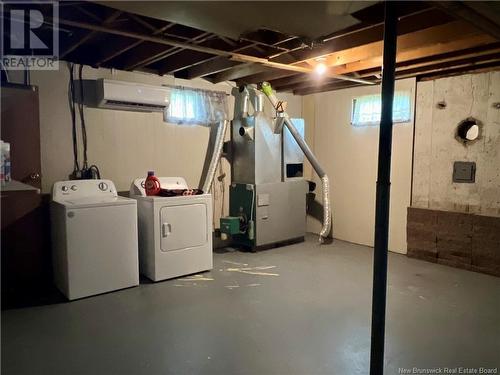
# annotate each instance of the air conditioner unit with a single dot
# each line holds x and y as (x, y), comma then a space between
(128, 96)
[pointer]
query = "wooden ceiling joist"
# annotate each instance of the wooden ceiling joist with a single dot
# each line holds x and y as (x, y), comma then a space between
(414, 68)
(128, 45)
(434, 38)
(218, 64)
(208, 50)
(89, 35)
(441, 39)
(342, 41)
(429, 45)
(203, 37)
(239, 71)
(477, 15)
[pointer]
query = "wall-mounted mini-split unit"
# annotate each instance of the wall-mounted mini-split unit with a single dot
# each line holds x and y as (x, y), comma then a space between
(125, 96)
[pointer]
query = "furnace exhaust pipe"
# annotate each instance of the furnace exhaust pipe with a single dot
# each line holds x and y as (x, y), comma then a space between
(219, 143)
(327, 216)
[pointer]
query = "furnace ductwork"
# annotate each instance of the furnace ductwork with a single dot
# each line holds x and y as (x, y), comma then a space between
(327, 215)
(219, 143)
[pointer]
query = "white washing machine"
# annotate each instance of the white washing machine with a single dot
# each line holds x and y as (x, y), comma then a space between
(175, 233)
(94, 238)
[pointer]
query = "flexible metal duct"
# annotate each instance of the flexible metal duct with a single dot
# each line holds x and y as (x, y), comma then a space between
(327, 221)
(219, 142)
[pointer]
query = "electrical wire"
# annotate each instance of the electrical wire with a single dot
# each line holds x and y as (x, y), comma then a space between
(94, 170)
(86, 171)
(82, 118)
(71, 102)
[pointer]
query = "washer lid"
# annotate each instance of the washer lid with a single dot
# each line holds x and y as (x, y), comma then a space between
(103, 201)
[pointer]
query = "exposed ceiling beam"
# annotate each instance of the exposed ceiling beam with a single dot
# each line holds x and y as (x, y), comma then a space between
(344, 40)
(181, 59)
(84, 11)
(142, 22)
(266, 76)
(471, 54)
(482, 16)
(208, 50)
(426, 74)
(169, 52)
(409, 44)
(294, 68)
(192, 58)
(492, 60)
(408, 70)
(239, 71)
(418, 52)
(128, 46)
(272, 46)
(205, 67)
(286, 81)
(218, 64)
(329, 87)
(89, 35)
(453, 36)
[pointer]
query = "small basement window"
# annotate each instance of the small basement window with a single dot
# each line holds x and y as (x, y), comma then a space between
(186, 106)
(195, 106)
(366, 109)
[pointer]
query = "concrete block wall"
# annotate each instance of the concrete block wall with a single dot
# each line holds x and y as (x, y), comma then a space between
(455, 239)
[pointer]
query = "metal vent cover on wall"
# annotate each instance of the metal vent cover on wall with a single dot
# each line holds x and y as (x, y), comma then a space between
(464, 171)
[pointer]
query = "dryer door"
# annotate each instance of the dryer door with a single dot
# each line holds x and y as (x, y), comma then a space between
(183, 226)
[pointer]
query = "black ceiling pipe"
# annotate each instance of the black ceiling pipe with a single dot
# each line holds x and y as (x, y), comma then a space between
(383, 192)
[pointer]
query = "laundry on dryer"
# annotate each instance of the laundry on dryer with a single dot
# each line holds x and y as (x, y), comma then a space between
(175, 232)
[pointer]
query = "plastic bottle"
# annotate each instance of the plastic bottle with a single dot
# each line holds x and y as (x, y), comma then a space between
(152, 184)
(5, 167)
(6, 161)
(2, 169)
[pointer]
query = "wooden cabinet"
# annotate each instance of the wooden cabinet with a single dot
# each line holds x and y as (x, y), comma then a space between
(26, 257)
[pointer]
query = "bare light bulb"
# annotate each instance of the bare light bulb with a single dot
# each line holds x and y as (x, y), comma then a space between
(320, 68)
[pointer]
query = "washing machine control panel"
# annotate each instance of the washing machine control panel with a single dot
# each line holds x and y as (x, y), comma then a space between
(75, 189)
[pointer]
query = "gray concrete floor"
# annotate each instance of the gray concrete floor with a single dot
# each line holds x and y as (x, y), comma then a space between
(300, 309)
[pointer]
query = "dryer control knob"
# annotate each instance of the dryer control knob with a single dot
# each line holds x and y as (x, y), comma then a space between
(103, 186)
(74, 188)
(64, 188)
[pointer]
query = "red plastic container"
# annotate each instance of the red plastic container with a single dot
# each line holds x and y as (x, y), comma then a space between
(152, 184)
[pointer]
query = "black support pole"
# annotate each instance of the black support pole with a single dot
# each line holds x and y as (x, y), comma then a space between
(383, 193)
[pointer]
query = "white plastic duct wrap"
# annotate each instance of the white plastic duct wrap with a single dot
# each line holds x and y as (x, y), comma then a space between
(219, 143)
(327, 215)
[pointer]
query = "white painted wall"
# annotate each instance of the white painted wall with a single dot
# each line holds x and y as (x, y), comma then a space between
(436, 149)
(125, 145)
(349, 156)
